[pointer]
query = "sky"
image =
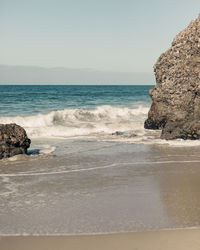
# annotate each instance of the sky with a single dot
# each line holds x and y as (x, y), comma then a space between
(104, 35)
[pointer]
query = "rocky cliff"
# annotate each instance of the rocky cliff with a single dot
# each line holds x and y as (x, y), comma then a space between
(176, 97)
(13, 140)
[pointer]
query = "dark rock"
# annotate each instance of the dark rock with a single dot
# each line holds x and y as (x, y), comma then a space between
(118, 133)
(126, 134)
(153, 124)
(184, 130)
(176, 96)
(13, 140)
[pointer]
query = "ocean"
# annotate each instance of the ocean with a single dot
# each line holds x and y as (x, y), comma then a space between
(67, 111)
(41, 99)
(92, 167)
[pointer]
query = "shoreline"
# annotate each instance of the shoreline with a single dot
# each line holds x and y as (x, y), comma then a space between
(166, 239)
(99, 233)
(100, 187)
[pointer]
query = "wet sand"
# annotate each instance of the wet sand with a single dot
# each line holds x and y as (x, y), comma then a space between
(88, 187)
(188, 239)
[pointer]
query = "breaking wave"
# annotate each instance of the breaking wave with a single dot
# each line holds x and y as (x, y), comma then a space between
(82, 122)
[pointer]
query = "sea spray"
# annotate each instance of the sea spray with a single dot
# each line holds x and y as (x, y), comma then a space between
(78, 122)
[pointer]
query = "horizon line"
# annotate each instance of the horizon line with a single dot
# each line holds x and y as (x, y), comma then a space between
(70, 84)
(73, 68)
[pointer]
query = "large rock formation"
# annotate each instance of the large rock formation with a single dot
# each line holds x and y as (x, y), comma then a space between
(176, 96)
(13, 140)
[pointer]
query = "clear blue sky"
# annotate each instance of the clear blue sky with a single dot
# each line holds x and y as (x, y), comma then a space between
(111, 35)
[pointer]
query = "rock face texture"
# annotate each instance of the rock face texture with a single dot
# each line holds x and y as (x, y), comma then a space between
(176, 96)
(13, 140)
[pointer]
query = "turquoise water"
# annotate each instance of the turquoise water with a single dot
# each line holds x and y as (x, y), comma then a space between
(35, 99)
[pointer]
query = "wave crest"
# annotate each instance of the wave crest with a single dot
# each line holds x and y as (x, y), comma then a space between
(78, 122)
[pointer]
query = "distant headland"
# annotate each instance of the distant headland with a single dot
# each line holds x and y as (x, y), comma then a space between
(60, 75)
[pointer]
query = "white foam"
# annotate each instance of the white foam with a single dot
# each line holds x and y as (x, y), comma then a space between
(100, 122)
(80, 122)
(47, 149)
(117, 165)
(15, 157)
(179, 143)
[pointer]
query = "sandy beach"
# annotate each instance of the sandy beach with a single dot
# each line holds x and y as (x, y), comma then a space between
(180, 239)
(100, 187)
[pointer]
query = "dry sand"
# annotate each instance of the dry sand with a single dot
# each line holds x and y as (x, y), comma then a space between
(180, 239)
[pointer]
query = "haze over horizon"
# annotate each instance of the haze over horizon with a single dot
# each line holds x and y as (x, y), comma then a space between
(101, 41)
(62, 75)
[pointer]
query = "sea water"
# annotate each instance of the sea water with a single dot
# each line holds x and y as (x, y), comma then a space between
(40, 99)
(67, 111)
